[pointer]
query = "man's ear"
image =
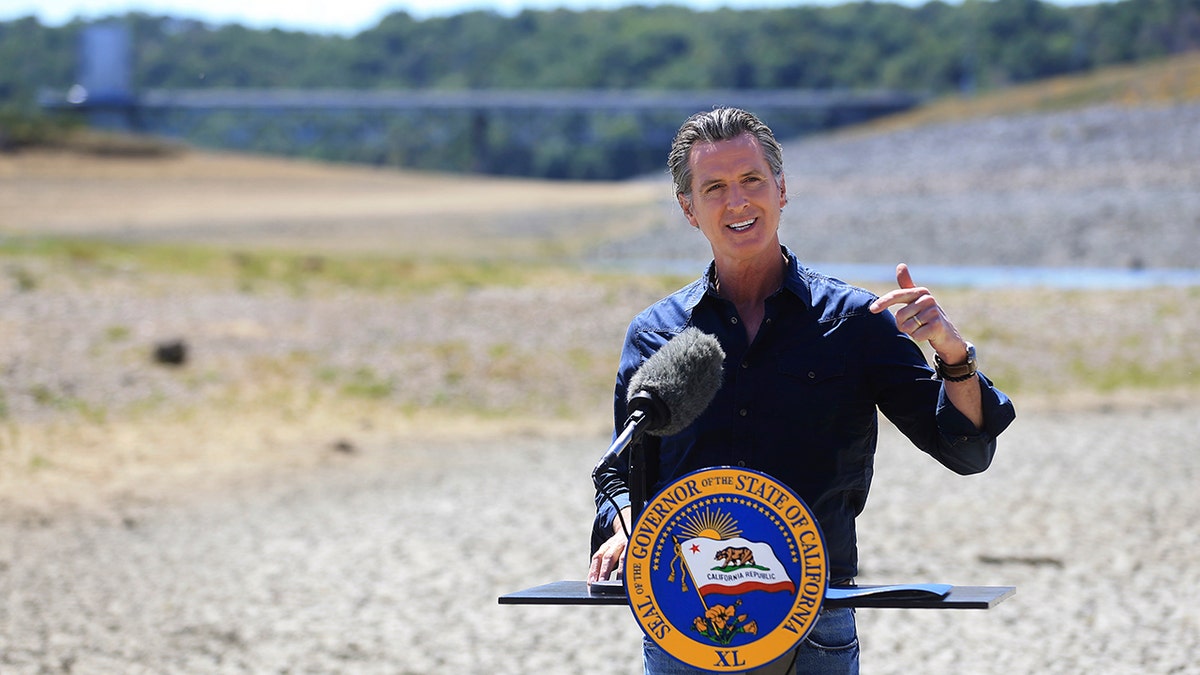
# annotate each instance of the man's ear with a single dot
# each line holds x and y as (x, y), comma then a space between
(782, 191)
(685, 203)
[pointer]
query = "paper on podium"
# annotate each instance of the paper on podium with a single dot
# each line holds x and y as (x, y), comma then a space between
(890, 591)
(607, 587)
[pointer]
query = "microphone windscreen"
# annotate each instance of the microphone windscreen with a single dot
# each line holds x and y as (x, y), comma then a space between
(685, 374)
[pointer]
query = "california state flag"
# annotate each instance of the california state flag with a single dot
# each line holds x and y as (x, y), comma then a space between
(734, 566)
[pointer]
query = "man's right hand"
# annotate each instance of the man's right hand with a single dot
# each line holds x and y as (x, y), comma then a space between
(608, 562)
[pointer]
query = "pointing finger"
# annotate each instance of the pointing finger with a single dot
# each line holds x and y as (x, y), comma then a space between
(907, 292)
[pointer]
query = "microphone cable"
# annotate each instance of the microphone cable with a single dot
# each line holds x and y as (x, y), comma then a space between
(611, 500)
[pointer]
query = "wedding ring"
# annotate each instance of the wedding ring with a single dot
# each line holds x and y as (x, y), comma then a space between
(919, 322)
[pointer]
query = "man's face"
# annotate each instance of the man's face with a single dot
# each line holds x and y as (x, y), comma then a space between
(735, 199)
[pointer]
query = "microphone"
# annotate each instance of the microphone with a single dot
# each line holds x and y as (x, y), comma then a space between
(679, 381)
(670, 390)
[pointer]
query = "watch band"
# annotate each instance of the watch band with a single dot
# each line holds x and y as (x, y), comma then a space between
(959, 372)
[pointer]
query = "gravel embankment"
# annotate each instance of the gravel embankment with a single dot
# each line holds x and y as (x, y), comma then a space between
(1102, 187)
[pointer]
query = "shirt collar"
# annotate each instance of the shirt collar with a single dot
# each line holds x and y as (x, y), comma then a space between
(795, 280)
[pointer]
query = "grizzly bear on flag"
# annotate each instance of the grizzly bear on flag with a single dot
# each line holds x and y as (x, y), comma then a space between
(735, 556)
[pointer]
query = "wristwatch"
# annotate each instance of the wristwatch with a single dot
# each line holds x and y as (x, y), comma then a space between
(958, 372)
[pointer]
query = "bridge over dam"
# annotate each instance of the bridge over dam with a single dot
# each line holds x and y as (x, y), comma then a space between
(575, 133)
(516, 132)
(845, 104)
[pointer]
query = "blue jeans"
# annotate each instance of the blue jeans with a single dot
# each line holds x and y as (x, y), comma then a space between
(831, 647)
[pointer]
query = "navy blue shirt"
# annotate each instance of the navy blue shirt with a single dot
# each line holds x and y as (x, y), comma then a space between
(800, 402)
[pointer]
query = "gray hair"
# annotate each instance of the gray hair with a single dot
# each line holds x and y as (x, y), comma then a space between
(719, 124)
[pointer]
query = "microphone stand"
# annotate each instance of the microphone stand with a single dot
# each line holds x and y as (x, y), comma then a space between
(638, 488)
(646, 411)
(643, 407)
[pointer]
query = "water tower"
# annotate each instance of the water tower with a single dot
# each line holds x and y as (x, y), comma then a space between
(104, 76)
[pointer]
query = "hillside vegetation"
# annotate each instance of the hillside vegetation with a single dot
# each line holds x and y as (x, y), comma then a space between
(935, 47)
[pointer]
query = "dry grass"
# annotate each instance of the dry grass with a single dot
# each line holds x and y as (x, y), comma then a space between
(240, 201)
(284, 373)
(1165, 82)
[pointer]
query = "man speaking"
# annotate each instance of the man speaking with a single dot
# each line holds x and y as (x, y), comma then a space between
(808, 362)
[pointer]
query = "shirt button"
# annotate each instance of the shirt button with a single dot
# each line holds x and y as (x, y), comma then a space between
(743, 412)
(741, 462)
(745, 364)
(812, 375)
(733, 319)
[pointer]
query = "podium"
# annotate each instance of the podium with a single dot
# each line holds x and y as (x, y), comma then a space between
(898, 596)
(742, 537)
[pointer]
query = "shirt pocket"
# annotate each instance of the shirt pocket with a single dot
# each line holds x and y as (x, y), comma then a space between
(812, 403)
(813, 367)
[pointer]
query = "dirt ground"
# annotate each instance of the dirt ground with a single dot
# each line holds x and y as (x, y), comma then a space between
(390, 559)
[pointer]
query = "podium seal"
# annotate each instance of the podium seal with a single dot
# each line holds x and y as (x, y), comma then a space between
(726, 569)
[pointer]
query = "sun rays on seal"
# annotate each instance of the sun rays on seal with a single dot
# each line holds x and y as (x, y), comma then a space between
(710, 524)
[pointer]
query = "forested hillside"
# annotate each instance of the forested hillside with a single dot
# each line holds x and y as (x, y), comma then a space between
(935, 47)
(931, 49)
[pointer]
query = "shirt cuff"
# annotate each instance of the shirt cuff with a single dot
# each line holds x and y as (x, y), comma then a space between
(607, 515)
(997, 413)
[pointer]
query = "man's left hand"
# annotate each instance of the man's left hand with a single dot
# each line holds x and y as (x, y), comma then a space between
(921, 318)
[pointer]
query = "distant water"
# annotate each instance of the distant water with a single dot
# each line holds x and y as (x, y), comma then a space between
(1083, 278)
(1080, 278)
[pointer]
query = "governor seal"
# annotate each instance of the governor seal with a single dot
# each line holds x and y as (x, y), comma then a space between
(726, 569)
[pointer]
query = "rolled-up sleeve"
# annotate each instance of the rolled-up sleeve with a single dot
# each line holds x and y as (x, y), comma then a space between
(963, 448)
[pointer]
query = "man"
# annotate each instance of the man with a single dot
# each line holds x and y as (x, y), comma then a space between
(809, 361)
